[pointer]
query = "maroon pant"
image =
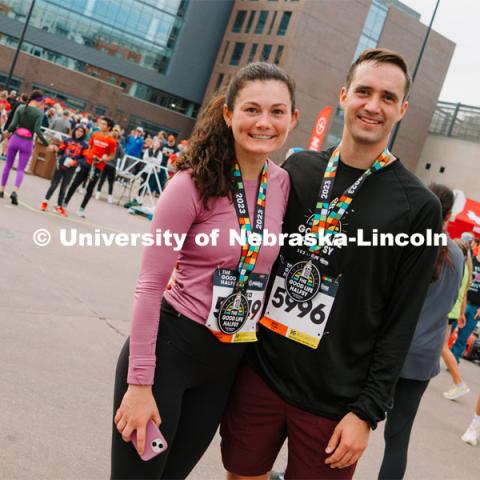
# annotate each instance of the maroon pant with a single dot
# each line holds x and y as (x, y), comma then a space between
(257, 422)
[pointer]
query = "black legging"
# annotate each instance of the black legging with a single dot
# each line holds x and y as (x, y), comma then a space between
(193, 376)
(64, 175)
(108, 173)
(398, 427)
(81, 176)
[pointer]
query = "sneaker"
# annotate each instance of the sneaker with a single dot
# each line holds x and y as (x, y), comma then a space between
(43, 206)
(14, 198)
(456, 392)
(97, 195)
(61, 211)
(472, 434)
(132, 203)
(1, 194)
(81, 212)
(110, 199)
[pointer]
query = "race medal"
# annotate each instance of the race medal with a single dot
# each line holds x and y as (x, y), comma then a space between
(233, 319)
(224, 281)
(233, 313)
(303, 281)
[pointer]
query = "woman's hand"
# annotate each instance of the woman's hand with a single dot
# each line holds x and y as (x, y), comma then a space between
(137, 408)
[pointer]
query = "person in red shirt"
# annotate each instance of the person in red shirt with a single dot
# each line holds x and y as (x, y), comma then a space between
(102, 149)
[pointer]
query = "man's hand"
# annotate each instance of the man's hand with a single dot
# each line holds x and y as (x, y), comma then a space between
(348, 442)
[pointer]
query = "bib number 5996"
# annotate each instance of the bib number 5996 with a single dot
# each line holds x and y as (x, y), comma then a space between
(281, 300)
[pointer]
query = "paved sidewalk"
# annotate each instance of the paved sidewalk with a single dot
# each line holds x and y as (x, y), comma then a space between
(64, 314)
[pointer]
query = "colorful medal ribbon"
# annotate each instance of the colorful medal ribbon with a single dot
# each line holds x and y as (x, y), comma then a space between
(328, 213)
(249, 252)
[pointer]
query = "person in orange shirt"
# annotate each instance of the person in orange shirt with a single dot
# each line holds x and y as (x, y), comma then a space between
(102, 150)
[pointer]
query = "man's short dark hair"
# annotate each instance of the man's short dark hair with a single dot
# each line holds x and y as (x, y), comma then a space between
(381, 55)
(109, 121)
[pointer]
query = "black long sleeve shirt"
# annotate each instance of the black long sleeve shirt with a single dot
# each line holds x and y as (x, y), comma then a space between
(378, 302)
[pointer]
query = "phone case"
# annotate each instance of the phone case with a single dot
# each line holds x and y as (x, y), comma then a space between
(155, 443)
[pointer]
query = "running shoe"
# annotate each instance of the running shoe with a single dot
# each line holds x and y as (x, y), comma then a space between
(132, 203)
(61, 211)
(456, 392)
(472, 435)
(110, 199)
(81, 212)
(1, 194)
(14, 198)
(97, 195)
(43, 206)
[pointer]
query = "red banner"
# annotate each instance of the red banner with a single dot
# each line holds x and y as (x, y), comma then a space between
(319, 130)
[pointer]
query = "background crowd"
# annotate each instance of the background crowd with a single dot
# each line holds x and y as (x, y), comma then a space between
(159, 149)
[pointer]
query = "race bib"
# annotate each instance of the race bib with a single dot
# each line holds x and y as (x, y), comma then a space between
(233, 316)
(300, 303)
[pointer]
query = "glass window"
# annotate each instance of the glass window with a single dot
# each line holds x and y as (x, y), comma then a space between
(219, 81)
(237, 53)
(239, 21)
(278, 55)
(272, 23)
(374, 21)
(100, 110)
(262, 20)
(225, 52)
(135, 31)
(364, 43)
(253, 51)
(267, 48)
(282, 28)
(250, 21)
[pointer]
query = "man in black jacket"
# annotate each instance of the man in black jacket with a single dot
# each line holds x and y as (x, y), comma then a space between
(340, 316)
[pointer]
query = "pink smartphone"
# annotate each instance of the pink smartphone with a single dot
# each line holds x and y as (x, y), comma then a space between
(155, 443)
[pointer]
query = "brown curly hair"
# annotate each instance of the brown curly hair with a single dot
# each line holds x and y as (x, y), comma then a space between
(211, 149)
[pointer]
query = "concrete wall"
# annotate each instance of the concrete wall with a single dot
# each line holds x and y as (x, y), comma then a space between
(321, 40)
(459, 158)
(405, 35)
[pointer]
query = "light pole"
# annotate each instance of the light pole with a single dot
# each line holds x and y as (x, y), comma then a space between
(415, 70)
(19, 46)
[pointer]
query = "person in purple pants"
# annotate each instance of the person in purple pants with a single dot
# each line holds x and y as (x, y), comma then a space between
(26, 122)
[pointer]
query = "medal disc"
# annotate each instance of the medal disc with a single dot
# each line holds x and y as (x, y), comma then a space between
(233, 313)
(303, 281)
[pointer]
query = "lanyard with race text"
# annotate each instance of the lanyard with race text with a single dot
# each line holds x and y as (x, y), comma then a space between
(303, 279)
(249, 252)
(235, 308)
(328, 213)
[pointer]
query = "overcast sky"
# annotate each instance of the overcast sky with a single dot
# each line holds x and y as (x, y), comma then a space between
(458, 20)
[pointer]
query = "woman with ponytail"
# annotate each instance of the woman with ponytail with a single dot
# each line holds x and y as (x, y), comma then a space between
(26, 122)
(422, 361)
(197, 302)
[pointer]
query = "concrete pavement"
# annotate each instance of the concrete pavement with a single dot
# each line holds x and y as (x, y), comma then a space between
(64, 314)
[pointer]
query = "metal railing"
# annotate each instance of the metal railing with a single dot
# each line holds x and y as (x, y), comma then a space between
(457, 121)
